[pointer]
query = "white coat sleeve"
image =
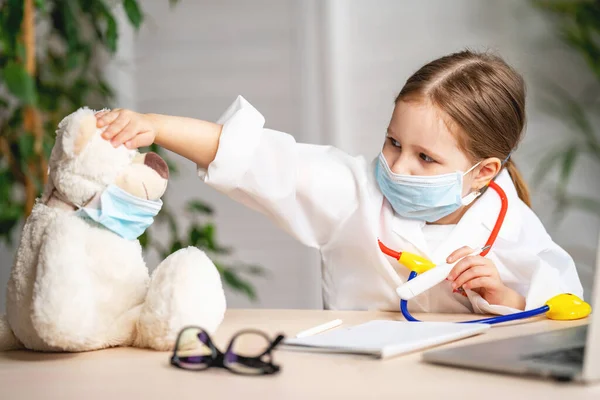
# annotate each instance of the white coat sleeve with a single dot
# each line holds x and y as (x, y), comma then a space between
(307, 190)
(541, 267)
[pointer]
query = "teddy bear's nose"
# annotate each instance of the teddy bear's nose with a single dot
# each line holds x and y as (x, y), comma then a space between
(155, 162)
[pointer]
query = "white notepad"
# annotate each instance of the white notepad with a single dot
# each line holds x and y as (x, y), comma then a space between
(382, 339)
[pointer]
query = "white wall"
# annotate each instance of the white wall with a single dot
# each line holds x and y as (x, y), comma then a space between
(327, 71)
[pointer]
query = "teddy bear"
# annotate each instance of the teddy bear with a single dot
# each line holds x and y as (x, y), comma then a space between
(79, 281)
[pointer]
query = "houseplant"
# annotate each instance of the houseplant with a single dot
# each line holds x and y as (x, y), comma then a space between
(578, 25)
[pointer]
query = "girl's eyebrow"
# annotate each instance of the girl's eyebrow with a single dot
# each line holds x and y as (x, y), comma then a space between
(437, 157)
(422, 149)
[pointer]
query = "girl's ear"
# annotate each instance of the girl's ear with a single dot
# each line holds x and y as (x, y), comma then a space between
(485, 172)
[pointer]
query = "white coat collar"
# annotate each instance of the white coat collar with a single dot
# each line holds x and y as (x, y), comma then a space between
(474, 227)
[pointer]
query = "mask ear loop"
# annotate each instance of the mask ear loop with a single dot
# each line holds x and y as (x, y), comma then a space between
(468, 199)
(56, 193)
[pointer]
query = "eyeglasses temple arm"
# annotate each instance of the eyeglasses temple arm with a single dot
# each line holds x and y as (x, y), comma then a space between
(273, 345)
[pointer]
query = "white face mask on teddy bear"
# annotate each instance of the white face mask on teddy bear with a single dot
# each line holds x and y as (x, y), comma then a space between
(126, 215)
(115, 209)
(119, 206)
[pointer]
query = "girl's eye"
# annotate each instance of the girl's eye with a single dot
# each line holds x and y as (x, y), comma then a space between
(394, 142)
(426, 158)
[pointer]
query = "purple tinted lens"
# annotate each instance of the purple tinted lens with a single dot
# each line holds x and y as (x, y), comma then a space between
(195, 359)
(203, 337)
(195, 362)
(230, 357)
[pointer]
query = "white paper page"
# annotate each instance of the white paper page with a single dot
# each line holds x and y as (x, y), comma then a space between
(382, 338)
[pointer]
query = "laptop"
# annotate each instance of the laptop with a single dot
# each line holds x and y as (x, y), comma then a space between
(567, 354)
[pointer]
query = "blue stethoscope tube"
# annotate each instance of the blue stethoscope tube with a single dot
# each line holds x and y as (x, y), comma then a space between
(493, 320)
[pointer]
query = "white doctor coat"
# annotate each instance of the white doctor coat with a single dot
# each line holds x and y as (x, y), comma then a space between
(329, 200)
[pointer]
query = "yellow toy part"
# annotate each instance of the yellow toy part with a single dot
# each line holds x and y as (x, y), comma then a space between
(415, 263)
(566, 307)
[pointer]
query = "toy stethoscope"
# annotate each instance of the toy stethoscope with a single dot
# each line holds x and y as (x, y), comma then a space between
(564, 306)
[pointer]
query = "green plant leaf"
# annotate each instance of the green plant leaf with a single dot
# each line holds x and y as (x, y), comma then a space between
(232, 279)
(211, 241)
(546, 164)
(568, 162)
(40, 5)
(7, 226)
(173, 169)
(47, 145)
(578, 23)
(204, 238)
(11, 17)
(144, 240)
(173, 228)
(133, 12)
(105, 89)
(256, 270)
(584, 203)
(19, 82)
(26, 144)
(155, 148)
(70, 25)
(197, 206)
(21, 53)
(176, 245)
(568, 109)
(197, 237)
(112, 34)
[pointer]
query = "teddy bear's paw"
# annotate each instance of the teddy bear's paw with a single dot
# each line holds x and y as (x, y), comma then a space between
(185, 289)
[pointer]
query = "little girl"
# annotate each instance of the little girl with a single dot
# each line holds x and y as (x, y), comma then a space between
(455, 124)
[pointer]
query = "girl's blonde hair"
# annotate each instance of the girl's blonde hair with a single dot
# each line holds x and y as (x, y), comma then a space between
(484, 97)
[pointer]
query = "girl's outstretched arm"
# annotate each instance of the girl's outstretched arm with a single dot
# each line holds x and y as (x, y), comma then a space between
(191, 138)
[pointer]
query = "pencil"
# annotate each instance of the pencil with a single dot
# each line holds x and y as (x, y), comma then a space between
(320, 328)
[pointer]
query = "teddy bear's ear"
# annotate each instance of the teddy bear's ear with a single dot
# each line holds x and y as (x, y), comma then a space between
(76, 130)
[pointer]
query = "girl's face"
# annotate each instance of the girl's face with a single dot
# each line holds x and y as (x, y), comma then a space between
(419, 143)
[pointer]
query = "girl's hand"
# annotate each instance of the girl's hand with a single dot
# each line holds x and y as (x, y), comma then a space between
(480, 275)
(127, 127)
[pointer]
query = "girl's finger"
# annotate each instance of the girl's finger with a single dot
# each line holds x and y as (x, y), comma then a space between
(100, 114)
(484, 282)
(126, 134)
(471, 273)
(116, 127)
(465, 264)
(458, 254)
(107, 118)
(141, 140)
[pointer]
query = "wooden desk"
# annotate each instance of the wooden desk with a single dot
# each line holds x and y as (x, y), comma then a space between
(126, 373)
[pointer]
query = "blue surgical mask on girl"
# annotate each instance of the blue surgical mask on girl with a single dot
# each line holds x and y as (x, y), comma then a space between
(121, 212)
(426, 198)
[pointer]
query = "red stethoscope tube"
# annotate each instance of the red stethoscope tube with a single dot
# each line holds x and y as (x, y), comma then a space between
(500, 219)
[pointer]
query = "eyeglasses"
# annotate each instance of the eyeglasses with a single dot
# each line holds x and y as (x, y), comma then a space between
(248, 352)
